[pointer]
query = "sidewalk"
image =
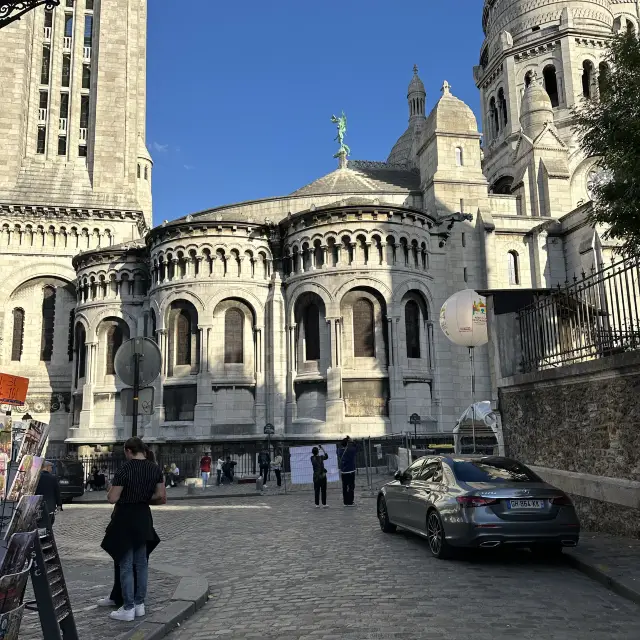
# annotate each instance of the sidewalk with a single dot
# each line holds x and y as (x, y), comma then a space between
(614, 562)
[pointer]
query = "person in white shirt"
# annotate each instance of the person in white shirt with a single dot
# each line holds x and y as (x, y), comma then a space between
(219, 464)
(277, 466)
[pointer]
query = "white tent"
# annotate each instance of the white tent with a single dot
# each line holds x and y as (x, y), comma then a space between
(478, 418)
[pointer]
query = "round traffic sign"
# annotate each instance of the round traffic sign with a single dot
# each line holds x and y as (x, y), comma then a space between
(150, 361)
(415, 419)
(269, 429)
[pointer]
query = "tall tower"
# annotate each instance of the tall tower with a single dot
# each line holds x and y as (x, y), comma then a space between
(75, 175)
(73, 95)
(563, 44)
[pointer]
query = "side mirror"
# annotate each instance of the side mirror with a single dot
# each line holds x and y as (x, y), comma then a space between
(399, 475)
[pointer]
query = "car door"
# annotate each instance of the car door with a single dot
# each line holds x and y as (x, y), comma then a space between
(396, 493)
(419, 495)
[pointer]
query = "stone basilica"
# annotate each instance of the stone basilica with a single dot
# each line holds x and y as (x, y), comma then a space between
(315, 311)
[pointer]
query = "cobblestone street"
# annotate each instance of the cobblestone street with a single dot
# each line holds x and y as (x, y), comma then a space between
(279, 568)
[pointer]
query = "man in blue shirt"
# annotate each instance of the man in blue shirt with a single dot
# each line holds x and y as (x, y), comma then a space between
(348, 471)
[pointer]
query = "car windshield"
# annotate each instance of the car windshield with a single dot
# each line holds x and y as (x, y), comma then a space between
(491, 470)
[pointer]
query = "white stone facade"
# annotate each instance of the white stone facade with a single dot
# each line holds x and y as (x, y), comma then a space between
(317, 311)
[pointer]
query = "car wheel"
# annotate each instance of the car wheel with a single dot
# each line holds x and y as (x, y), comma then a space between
(383, 517)
(438, 545)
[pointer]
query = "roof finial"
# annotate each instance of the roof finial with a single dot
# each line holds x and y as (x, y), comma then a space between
(415, 69)
(446, 89)
(344, 151)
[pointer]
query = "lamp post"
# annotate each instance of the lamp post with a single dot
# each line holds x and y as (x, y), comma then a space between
(12, 10)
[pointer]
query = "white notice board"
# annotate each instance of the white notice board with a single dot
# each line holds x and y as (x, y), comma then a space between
(302, 469)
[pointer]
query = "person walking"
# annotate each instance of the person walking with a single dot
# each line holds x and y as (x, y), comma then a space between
(348, 471)
(277, 466)
(130, 536)
(219, 464)
(264, 461)
(49, 489)
(205, 469)
(319, 475)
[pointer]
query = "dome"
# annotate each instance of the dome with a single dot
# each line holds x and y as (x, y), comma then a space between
(416, 85)
(401, 152)
(536, 109)
(451, 114)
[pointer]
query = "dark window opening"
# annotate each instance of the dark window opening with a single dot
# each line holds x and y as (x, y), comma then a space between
(138, 171)
(115, 337)
(183, 338)
(363, 329)
(603, 77)
(18, 335)
(88, 30)
(46, 64)
(527, 78)
(42, 140)
(502, 107)
(514, 269)
(84, 112)
(48, 323)
(180, 403)
(66, 69)
(89, 5)
(465, 276)
(48, 18)
(551, 84)
(64, 105)
(62, 145)
(44, 99)
(81, 352)
(72, 315)
(146, 173)
(587, 75)
(412, 327)
(86, 76)
(68, 25)
(536, 28)
(311, 322)
(233, 336)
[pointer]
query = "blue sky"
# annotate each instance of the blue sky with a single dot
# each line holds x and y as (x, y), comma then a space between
(240, 94)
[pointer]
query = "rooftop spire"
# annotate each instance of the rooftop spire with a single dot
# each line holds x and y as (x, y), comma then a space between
(416, 96)
(446, 89)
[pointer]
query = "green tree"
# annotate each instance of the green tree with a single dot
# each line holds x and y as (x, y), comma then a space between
(610, 129)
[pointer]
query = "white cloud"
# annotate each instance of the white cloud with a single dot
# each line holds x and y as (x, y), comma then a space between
(160, 148)
(188, 167)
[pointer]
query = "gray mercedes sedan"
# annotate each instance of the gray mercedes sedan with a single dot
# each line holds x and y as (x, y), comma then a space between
(478, 501)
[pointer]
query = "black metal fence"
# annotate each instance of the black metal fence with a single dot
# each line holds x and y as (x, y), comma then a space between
(593, 317)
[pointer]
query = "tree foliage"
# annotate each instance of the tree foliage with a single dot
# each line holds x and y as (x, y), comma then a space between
(610, 129)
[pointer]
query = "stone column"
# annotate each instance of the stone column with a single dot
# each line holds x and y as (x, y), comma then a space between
(292, 407)
(86, 413)
(203, 412)
(313, 258)
(174, 262)
(397, 395)
(383, 254)
(260, 396)
(369, 259)
(325, 255)
(276, 369)
(356, 252)
(158, 401)
(335, 401)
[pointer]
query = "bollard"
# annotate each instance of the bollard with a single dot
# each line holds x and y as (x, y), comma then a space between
(259, 484)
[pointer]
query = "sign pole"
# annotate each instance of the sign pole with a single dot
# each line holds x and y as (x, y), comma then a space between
(136, 391)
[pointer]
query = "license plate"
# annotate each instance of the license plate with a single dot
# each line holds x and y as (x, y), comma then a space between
(525, 504)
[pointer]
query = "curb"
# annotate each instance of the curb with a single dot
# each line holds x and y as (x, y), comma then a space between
(600, 574)
(184, 498)
(190, 596)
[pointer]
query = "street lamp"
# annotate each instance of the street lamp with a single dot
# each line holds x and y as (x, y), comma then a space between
(12, 10)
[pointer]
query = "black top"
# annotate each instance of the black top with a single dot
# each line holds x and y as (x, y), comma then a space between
(138, 479)
(319, 471)
(49, 489)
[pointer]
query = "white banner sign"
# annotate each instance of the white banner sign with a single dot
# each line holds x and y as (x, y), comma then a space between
(302, 469)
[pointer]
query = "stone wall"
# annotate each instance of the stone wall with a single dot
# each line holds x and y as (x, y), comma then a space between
(582, 418)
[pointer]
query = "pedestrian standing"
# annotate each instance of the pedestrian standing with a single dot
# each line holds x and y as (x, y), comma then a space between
(277, 466)
(264, 461)
(319, 475)
(130, 535)
(219, 464)
(205, 469)
(348, 471)
(49, 489)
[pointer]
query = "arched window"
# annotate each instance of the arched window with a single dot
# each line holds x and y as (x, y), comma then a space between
(494, 121)
(459, 157)
(81, 352)
(551, 84)
(48, 320)
(412, 328)
(114, 336)
(631, 28)
(18, 335)
(233, 336)
(183, 337)
(146, 173)
(363, 329)
(514, 268)
(311, 320)
(153, 327)
(138, 171)
(502, 107)
(587, 75)
(603, 77)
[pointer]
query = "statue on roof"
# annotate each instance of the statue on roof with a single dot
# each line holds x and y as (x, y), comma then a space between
(341, 123)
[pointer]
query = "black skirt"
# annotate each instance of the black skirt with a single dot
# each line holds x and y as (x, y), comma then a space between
(131, 527)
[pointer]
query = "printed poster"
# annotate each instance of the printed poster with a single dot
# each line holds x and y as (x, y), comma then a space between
(26, 515)
(10, 624)
(26, 480)
(34, 440)
(18, 553)
(12, 589)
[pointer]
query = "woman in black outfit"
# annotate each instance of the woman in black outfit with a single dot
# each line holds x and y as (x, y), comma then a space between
(319, 475)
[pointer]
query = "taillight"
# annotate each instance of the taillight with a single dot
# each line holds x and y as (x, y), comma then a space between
(562, 501)
(475, 501)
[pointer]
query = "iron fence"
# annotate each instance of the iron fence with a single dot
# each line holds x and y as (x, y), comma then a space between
(595, 316)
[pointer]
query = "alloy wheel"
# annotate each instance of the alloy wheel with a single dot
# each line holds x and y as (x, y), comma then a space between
(434, 533)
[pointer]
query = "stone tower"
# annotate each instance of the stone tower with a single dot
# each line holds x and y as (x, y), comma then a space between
(75, 176)
(73, 95)
(562, 43)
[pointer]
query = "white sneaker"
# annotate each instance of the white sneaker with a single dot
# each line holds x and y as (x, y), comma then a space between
(125, 615)
(325, 506)
(106, 602)
(140, 611)
(317, 506)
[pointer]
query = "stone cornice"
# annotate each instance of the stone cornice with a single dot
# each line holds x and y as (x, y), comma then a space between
(71, 213)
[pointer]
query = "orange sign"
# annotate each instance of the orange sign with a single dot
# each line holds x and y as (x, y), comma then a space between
(13, 389)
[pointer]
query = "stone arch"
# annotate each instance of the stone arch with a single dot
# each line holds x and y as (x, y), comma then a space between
(180, 294)
(310, 287)
(248, 297)
(110, 312)
(18, 277)
(411, 285)
(372, 283)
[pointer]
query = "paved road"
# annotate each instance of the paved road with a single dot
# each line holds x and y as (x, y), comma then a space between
(279, 568)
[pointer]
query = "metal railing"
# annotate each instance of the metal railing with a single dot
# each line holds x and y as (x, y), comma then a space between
(47, 33)
(42, 115)
(63, 125)
(67, 41)
(593, 317)
(86, 54)
(83, 134)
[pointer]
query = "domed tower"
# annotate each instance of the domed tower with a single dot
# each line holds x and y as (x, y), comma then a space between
(562, 42)
(403, 152)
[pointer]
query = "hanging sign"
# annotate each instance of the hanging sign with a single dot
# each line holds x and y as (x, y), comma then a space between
(13, 389)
